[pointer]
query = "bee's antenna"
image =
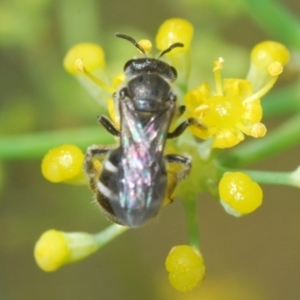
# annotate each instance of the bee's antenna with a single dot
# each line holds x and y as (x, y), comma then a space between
(175, 45)
(133, 41)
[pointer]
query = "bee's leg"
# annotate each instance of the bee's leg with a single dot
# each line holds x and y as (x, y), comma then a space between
(108, 126)
(182, 127)
(178, 168)
(180, 111)
(92, 163)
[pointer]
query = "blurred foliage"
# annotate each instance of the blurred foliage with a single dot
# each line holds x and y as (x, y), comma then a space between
(37, 96)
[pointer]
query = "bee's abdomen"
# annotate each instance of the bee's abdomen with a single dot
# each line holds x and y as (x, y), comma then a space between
(107, 185)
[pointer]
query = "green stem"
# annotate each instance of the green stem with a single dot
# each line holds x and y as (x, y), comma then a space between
(283, 101)
(35, 145)
(280, 139)
(108, 234)
(192, 222)
(280, 178)
(275, 19)
(266, 177)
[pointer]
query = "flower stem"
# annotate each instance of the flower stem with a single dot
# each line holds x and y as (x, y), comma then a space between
(266, 177)
(282, 138)
(282, 178)
(35, 145)
(109, 234)
(190, 206)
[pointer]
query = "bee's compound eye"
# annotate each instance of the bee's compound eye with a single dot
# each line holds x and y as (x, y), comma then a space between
(129, 68)
(174, 73)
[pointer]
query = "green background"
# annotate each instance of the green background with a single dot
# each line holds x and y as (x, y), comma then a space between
(255, 257)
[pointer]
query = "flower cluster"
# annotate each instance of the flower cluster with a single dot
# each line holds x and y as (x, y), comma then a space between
(233, 107)
(223, 114)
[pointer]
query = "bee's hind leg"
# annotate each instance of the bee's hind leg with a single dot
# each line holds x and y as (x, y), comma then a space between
(92, 163)
(178, 168)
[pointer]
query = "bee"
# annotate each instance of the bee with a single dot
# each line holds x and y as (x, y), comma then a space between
(133, 180)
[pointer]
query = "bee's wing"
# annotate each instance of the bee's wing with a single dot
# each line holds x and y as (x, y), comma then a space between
(144, 178)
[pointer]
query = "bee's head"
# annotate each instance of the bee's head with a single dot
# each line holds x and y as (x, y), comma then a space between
(149, 65)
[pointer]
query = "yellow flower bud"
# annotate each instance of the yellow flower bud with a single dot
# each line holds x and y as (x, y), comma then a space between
(92, 56)
(185, 267)
(239, 194)
(64, 164)
(56, 248)
(173, 31)
(265, 53)
(176, 31)
(267, 61)
(51, 250)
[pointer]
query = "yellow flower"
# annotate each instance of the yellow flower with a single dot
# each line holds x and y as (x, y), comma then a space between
(56, 248)
(91, 54)
(172, 31)
(64, 164)
(267, 61)
(86, 61)
(233, 108)
(239, 194)
(185, 267)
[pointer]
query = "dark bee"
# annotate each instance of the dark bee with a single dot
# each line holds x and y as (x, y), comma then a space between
(133, 181)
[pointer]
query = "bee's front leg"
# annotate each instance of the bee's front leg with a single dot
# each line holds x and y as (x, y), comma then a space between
(108, 125)
(183, 126)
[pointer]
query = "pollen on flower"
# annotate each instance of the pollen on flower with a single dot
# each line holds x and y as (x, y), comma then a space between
(146, 45)
(239, 194)
(275, 68)
(218, 64)
(185, 267)
(91, 54)
(64, 164)
(78, 64)
(258, 130)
